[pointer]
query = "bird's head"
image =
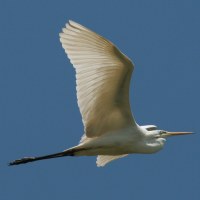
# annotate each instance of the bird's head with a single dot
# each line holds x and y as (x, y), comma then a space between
(164, 134)
(154, 133)
(155, 139)
(161, 135)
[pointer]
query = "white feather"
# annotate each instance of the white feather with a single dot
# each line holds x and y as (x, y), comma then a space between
(103, 76)
(103, 160)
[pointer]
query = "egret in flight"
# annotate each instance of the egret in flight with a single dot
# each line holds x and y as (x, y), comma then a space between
(103, 75)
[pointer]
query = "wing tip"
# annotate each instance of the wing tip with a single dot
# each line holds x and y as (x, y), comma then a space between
(72, 23)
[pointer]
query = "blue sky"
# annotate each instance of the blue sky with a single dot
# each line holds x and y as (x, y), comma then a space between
(39, 112)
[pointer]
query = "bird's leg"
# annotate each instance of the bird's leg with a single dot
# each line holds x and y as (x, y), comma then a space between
(68, 152)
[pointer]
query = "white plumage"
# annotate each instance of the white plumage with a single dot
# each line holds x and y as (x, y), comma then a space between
(103, 76)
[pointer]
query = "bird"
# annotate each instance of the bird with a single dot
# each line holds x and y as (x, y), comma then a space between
(103, 75)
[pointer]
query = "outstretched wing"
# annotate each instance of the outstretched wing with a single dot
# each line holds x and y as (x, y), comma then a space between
(103, 76)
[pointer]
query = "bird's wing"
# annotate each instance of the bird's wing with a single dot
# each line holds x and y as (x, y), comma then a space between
(103, 76)
(103, 160)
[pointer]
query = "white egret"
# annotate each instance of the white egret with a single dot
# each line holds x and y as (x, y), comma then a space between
(103, 76)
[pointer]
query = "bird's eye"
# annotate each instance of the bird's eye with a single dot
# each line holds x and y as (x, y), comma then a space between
(162, 132)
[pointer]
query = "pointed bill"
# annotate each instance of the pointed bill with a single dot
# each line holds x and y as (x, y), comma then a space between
(177, 133)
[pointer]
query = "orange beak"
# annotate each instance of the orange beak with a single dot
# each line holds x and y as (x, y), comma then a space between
(176, 133)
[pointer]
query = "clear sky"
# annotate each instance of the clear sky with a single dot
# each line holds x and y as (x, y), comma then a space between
(39, 112)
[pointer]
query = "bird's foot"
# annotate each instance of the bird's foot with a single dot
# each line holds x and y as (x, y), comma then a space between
(22, 161)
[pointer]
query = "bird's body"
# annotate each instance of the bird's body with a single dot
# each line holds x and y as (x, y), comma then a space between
(124, 141)
(103, 77)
